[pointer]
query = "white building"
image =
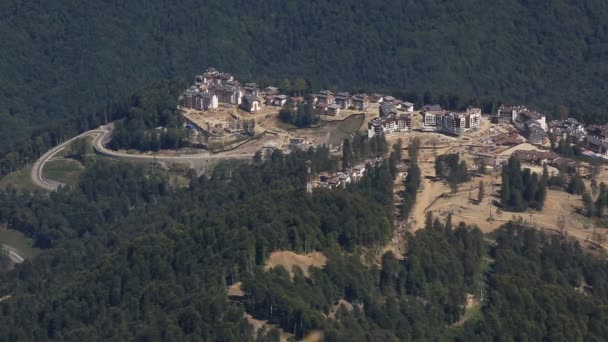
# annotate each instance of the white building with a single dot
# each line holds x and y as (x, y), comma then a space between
(408, 106)
(389, 124)
(452, 123)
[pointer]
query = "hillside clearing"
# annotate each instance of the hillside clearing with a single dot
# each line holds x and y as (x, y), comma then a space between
(289, 259)
(19, 241)
(64, 170)
(20, 180)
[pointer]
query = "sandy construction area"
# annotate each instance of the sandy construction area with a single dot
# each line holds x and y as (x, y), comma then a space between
(463, 207)
(289, 259)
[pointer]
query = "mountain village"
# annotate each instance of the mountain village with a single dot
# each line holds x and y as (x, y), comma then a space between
(217, 104)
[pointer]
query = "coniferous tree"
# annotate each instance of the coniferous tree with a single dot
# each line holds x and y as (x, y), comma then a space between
(347, 154)
(576, 184)
(587, 204)
(480, 192)
(521, 189)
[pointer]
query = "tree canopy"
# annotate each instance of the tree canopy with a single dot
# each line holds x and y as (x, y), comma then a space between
(425, 51)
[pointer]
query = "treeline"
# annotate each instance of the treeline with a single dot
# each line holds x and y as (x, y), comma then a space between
(152, 122)
(451, 168)
(410, 299)
(129, 258)
(361, 148)
(56, 69)
(412, 180)
(522, 189)
(156, 99)
(303, 115)
(598, 207)
(542, 288)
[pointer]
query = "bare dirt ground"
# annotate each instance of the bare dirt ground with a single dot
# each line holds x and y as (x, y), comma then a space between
(258, 324)
(341, 302)
(289, 259)
(235, 290)
(463, 205)
(520, 147)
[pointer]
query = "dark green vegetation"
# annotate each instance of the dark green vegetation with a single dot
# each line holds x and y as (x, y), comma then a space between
(522, 189)
(63, 170)
(73, 58)
(597, 208)
(152, 121)
(451, 168)
(400, 300)
(542, 288)
(360, 148)
(125, 257)
(301, 116)
(131, 258)
(19, 241)
(143, 111)
(413, 179)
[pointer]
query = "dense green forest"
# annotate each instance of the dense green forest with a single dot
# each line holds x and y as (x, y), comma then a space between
(521, 190)
(400, 300)
(130, 258)
(135, 117)
(542, 288)
(126, 257)
(70, 58)
(452, 169)
(152, 120)
(302, 116)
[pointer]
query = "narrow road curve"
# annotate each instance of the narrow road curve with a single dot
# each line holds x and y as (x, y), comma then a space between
(37, 175)
(102, 136)
(13, 253)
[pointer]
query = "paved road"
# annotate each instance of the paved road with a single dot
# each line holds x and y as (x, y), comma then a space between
(102, 139)
(16, 255)
(37, 175)
(102, 136)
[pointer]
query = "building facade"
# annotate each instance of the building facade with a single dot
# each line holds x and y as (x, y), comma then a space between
(360, 102)
(389, 124)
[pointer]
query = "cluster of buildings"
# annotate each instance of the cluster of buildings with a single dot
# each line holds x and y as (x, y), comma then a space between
(340, 179)
(213, 87)
(435, 119)
(530, 124)
(328, 103)
(395, 116)
(562, 129)
(592, 137)
(510, 138)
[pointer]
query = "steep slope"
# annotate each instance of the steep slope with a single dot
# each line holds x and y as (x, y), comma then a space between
(69, 57)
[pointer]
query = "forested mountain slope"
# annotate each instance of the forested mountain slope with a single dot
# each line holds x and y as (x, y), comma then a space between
(127, 258)
(62, 58)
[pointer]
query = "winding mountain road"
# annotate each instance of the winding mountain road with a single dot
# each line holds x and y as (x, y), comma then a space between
(13, 253)
(102, 136)
(37, 175)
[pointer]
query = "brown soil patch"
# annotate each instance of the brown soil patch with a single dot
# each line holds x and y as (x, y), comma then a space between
(257, 324)
(288, 259)
(236, 290)
(341, 302)
(558, 203)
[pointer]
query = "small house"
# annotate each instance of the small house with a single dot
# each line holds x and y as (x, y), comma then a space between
(333, 109)
(250, 104)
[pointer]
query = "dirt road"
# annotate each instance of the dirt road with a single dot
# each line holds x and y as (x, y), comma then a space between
(103, 135)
